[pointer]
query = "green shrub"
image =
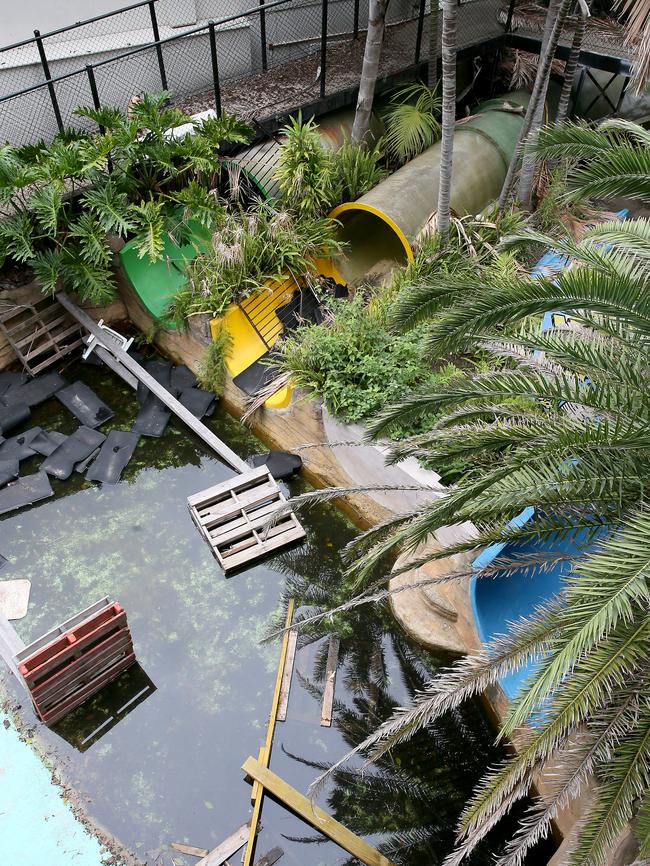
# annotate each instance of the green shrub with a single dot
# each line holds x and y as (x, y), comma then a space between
(353, 362)
(212, 369)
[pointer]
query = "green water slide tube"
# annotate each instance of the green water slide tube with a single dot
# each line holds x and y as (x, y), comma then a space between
(156, 283)
(382, 224)
(257, 164)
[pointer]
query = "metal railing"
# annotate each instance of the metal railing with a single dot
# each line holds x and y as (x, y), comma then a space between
(319, 40)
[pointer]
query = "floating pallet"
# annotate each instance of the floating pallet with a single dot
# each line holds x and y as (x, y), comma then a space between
(64, 667)
(233, 518)
(40, 334)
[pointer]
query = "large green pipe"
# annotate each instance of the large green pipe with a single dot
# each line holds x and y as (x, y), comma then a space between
(260, 162)
(383, 224)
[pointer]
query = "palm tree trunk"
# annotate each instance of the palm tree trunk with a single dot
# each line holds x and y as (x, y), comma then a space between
(432, 78)
(371, 57)
(541, 79)
(449, 21)
(570, 70)
(529, 164)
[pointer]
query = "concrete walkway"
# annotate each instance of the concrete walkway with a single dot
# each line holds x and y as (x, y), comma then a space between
(37, 826)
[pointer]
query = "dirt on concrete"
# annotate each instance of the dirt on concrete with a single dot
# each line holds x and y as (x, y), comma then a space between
(289, 85)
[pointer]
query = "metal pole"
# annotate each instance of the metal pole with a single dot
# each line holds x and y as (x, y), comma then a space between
(355, 26)
(418, 37)
(215, 68)
(48, 78)
(94, 92)
(323, 48)
(156, 39)
(511, 9)
(263, 36)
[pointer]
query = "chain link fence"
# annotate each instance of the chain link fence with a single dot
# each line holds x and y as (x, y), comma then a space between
(259, 62)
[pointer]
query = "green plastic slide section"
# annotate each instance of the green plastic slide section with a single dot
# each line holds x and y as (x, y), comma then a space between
(37, 826)
(156, 283)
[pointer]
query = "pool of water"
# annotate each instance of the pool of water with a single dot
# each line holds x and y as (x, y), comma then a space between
(156, 756)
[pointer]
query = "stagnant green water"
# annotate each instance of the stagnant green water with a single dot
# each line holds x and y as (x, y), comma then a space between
(156, 756)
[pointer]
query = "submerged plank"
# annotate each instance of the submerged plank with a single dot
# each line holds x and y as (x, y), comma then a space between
(314, 815)
(272, 857)
(287, 674)
(330, 681)
(189, 849)
(227, 848)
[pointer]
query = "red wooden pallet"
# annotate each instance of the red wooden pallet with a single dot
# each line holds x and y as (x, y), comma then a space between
(65, 667)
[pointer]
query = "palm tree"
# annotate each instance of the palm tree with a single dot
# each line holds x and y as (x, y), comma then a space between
(576, 446)
(571, 65)
(449, 22)
(536, 99)
(370, 69)
(637, 25)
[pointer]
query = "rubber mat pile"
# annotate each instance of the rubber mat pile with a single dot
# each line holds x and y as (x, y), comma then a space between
(100, 457)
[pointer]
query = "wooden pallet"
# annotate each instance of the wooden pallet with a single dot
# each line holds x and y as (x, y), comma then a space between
(233, 518)
(40, 334)
(64, 667)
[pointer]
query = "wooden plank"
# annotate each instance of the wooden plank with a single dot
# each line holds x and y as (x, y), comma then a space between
(227, 848)
(286, 676)
(272, 857)
(225, 486)
(272, 542)
(330, 680)
(189, 849)
(313, 814)
(212, 441)
(265, 751)
(10, 644)
(67, 625)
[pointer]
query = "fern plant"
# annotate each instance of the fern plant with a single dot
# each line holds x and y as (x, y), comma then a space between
(59, 202)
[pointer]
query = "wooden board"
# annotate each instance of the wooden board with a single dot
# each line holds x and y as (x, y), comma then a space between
(314, 815)
(287, 676)
(10, 645)
(330, 680)
(41, 334)
(132, 366)
(227, 848)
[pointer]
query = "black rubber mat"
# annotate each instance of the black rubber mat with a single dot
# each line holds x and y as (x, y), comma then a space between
(114, 455)
(161, 371)
(256, 375)
(10, 380)
(152, 418)
(76, 447)
(35, 391)
(198, 402)
(19, 447)
(83, 465)
(9, 470)
(45, 443)
(281, 464)
(12, 416)
(25, 491)
(84, 404)
(182, 379)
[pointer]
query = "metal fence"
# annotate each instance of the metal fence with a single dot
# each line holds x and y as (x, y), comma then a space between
(276, 56)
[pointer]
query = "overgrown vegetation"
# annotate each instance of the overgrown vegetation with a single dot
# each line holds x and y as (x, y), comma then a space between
(313, 178)
(59, 202)
(212, 370)
(248, 249)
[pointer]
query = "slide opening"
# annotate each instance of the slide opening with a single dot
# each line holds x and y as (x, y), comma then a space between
(373, 241)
